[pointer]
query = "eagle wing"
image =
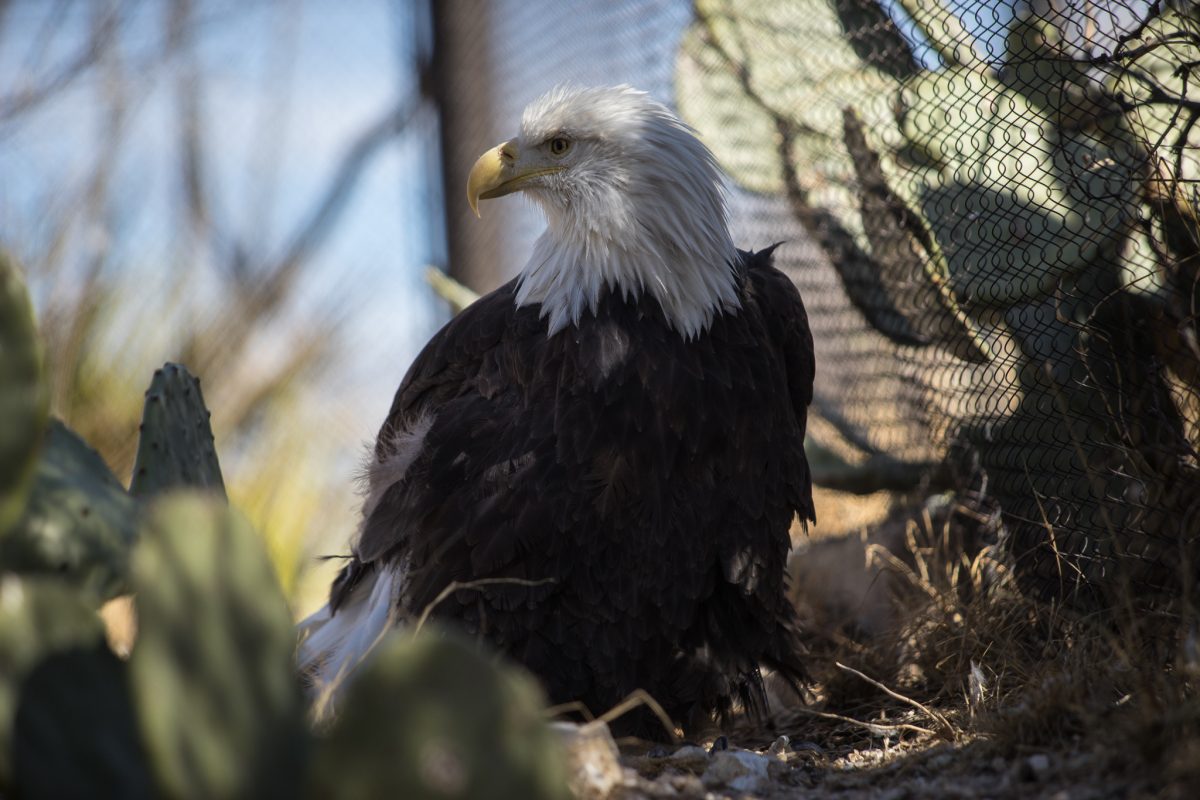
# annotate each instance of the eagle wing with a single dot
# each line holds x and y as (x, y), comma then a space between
(448, 401)
(787, 322)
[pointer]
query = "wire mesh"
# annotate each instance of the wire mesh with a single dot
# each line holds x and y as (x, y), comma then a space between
(990, 211)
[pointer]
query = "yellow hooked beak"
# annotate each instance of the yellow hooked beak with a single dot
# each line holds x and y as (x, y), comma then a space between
(500, 171)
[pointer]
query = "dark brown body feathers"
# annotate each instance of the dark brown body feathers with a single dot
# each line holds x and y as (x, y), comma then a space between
(653, 480)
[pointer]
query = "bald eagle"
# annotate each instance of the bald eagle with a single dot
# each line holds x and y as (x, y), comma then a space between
(608, 451)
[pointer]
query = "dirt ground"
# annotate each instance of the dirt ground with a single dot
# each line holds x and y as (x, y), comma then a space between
(914, 766)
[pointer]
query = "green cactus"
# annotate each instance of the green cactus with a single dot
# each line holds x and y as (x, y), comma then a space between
(212, 675)
(738, 77)
(1007, 240)
(432, 717)
(972, 199)
(940, 26)
(209, 704)
(38, 617)
(911, 276)
(22, 395)
(75, 730)
(176, 446)
(79, 523)
(768, 117)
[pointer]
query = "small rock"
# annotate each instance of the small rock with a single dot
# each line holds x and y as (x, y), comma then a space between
(779, 747)
(941, 761)
(739, 770)
(686, 784)
(777, 768)
(689, 755)
(1033, 768)
(593, 761)
(1039, 765)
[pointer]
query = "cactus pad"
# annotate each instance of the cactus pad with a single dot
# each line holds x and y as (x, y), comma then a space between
(910, 279)
(38, 616)
(79, 523)
(432, 717)
(212, 675)
(75, 729)
(176, 448)
(22, 397)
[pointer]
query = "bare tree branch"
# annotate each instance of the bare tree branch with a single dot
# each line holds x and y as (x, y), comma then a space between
(25, 100)
(328, 208)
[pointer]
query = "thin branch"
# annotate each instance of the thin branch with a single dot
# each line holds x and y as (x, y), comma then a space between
(454, 586)
(948, 731)
(876, 728)
(450, 290)
(636, 699)
(328, 209)
(563, 708)
(26, 100)
(1152, 13)
(193, 160)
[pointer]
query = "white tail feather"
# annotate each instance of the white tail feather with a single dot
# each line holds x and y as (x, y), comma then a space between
(333, 645)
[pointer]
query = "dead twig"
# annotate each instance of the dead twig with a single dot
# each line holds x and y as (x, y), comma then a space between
(635, 699)
(454, 586)
(876, 728)
(574, 705)
(947, 731)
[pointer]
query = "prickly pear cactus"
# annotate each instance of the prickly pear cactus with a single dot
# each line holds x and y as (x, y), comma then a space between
(176, 447)
(911, 275)
(1031, 213)
(79, 524)
(22, 396)
(432, 717)
(1075, 189)
(212, 676)
(75, 731)
(829, 158)
(38, 617)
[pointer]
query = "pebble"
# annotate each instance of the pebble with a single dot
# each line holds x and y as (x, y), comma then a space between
(686, 784)
(1039, 765)
(690, 752)
(739, 770)
(593, 760)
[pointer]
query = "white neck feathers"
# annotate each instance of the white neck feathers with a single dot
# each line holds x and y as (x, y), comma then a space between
(644, 212)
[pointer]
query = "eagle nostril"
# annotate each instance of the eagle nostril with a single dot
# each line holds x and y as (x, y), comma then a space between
(508, 152)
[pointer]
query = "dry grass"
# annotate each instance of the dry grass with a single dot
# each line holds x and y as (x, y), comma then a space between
(960, 659)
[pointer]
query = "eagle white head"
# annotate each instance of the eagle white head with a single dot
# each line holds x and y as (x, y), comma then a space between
(633, 202)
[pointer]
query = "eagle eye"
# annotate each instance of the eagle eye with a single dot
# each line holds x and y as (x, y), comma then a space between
(559, 145)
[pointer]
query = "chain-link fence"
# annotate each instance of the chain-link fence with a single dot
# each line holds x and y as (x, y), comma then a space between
(990, 210)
